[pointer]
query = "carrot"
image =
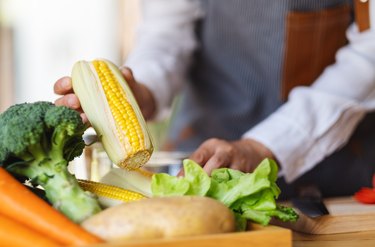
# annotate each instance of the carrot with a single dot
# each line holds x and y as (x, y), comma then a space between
(20, 204)
(16, 235)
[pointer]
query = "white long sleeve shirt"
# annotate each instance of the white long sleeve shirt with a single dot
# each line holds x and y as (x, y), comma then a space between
(312, 124)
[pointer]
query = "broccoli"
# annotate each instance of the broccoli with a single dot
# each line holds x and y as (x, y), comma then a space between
(37, 140)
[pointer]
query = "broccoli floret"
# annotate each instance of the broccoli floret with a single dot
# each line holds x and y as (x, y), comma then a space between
(37, 140)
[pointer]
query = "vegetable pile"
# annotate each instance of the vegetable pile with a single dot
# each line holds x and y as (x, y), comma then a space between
(37, 140)
(251, 196)
(26, 219)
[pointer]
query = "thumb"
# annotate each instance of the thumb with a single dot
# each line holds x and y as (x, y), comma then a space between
(133, 85)
(128, 76)
(141, 93)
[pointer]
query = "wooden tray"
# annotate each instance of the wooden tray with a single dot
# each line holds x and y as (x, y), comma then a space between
(257, 236)
(346, 215)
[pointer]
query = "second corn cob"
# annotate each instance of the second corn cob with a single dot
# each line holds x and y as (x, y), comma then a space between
(110, 191)
(113, 112)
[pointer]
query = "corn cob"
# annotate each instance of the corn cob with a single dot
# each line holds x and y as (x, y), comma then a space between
(110, 191)
(138, 180)
(113, 112)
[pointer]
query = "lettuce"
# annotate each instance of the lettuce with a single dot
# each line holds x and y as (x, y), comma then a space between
(251, 196)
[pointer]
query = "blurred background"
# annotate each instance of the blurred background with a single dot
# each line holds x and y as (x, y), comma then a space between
(40, 40)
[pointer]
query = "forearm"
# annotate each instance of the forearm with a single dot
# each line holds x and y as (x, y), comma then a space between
(319, 119)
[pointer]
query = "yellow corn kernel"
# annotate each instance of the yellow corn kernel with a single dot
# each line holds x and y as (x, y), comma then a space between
(113, 112)
(126, 121)
(110, 191)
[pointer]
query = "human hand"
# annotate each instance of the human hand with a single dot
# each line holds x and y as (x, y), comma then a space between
(243, 155)
(142, 94)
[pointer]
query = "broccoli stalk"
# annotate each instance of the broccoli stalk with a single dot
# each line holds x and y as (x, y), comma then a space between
(37, 141)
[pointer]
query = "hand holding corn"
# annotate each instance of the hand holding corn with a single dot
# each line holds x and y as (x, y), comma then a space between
(109, 102)
(143, 95)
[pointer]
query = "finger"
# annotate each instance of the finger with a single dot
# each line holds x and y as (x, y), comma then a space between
(181, 173)
(218, 160)
(63, 86)
(238, 167)
(239, 162)
(206, 150)
(244, 165)
(84, 118)
(128, 75)
(69, 100)
(134, 86)
(202, 154)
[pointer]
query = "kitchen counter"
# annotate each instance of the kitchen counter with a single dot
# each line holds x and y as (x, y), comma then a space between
(362, 239)
(349, 224)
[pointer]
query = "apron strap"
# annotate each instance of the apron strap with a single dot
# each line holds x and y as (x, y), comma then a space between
(362, 14)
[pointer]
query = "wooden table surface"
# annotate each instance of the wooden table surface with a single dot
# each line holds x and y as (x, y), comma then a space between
(345, 215)
(361, 239)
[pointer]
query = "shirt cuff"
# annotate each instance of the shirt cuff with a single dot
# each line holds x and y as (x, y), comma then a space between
(298, 148)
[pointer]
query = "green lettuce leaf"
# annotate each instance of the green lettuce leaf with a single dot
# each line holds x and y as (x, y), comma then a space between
(251, 196)
(198, 179)
(195, 182)
(165, 185)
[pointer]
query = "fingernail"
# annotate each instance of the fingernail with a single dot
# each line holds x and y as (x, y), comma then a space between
(199, 158)
(71, 101)
(84, 118)
(65, 83)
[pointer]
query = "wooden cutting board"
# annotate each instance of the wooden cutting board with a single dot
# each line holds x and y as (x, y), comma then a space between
(346, 215)
(259, 236)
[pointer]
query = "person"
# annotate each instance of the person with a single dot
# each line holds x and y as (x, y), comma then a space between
(261, 79)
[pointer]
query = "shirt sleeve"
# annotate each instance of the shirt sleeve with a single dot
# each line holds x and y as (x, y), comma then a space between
(164, 45)
(318, 120)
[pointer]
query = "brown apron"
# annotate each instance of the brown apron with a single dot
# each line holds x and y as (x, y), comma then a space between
(252, 53)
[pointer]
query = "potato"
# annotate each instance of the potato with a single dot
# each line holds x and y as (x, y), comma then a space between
(162, 218)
